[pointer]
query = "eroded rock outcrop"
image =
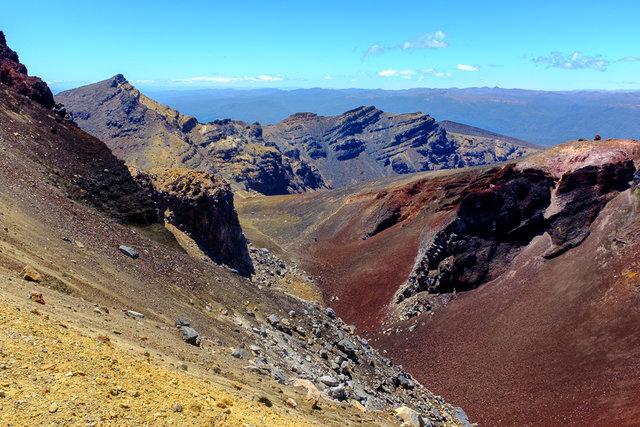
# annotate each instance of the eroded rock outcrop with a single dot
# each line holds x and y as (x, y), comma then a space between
(15, 75)
(200, 205)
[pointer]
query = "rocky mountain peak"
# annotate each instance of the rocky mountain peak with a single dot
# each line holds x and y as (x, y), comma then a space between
(118, 79)
(14, 74)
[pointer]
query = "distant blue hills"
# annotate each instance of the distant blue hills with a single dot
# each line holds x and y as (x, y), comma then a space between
(540, 117)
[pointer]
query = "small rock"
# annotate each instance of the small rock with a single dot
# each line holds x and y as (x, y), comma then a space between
(329, 312)
(278, 375)
(177, 408)
(30, 274)
(291, 402)
(338, 393)
(255, 348)
(359, 406)
(53, 408)
(128, 251)
(328, 380)
(241, 353)
(2, 393)
(273, 320)
(190, 335)
(313, 395)
(251, 313)
(132, 313)
(36, 297)
(410, 416)
(347, 347)
(182, 321)
(48, 367)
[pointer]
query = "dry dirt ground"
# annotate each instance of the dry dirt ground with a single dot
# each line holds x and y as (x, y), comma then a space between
(69, 362)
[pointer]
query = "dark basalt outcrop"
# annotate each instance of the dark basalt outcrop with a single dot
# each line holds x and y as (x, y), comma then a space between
(15, 75)
(367, 143)
(502, 211)
(200, 205)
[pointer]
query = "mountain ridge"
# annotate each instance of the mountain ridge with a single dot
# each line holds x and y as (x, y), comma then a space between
(541, 117)
(303, 152)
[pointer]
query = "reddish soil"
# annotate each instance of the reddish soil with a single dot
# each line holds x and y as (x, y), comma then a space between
(551, 342)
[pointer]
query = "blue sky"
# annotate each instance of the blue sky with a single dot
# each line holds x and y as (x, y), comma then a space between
(549, 45)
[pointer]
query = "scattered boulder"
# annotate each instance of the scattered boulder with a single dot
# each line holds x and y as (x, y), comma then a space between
(291, 402)
(30, 274)
(132, 313)
(347, 347)
(273, 320)
(36, 297)
(313, 395)
(358, 406)
(329, 312)
(328, 380)
(338, 393)
(241, 353)
(189, 335)
(410, 416)
(278, 375)
(182, 321)
(129, 251)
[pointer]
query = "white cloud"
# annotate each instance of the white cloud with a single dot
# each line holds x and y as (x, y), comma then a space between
(328, 77)
(629, 59)
(574, 61)
(388, 73)
(465, 67)
(267, 78)
(400, 73)
(431, 40)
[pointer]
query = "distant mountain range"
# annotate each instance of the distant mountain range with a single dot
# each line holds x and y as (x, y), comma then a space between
(303, 152)
(541, 117)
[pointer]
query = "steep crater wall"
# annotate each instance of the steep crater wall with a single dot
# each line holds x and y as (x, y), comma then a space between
(502, 212)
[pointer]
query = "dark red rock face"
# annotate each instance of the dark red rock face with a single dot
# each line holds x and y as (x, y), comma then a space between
(505, 213)
(14, 74)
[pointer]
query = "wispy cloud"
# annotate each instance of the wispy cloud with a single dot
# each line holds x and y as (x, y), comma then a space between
(431, 40)
(629, 59)
(328, 77)
(411, 74)
(260, 78)
(575, 61)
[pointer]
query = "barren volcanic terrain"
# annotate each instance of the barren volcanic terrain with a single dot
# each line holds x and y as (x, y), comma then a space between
(115, 310)
(514, 288)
